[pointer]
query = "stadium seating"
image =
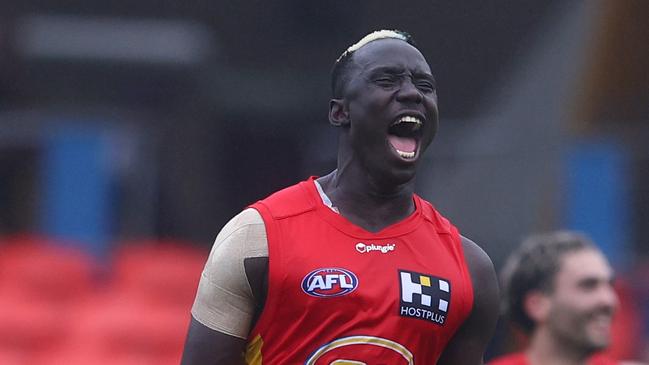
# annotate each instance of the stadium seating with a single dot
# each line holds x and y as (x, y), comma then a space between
(41, 269)
(160, 272)
(58, 305)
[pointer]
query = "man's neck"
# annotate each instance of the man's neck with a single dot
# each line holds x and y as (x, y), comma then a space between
(546, 349)
(367, 205)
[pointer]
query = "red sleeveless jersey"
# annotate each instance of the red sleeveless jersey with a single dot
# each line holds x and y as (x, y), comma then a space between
(338, 294)
(521, 359)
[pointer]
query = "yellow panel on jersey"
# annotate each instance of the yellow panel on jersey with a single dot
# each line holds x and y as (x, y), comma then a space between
(253, 351)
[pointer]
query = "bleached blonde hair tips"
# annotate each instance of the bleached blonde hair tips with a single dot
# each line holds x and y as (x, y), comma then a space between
(379, 34)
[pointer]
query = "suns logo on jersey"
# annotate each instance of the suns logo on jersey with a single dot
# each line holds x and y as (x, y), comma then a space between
(329, 282)
(361, 350)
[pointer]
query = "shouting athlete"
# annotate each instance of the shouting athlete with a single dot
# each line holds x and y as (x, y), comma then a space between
(352, 267)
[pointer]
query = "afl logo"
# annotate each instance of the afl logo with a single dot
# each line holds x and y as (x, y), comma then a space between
(329, 282)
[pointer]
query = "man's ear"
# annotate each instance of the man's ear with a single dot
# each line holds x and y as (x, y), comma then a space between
(537, 305)
(338, 113)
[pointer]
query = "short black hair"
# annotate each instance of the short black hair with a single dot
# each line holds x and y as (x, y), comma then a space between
(533, 266)
(340, 70)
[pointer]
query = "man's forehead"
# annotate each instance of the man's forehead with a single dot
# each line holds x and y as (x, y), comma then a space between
(586, 263)
(390, 53)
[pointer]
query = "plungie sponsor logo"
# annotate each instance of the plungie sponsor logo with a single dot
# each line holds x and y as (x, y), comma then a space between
(369, 247)
(329, 282)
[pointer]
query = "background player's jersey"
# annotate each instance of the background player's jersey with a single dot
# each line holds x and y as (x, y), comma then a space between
(338, 294)
(521, 359)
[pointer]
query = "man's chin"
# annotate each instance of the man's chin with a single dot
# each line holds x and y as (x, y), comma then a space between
(599, 335)
(599, 343)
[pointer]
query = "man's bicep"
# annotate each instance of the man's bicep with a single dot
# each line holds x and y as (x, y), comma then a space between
(207, 346)
(223, 308)
(224, 300)
(225, 304)
(470, 342)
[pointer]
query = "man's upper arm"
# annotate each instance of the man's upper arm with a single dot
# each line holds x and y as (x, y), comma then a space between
(225, 304)
(468, 345)
(207, 346)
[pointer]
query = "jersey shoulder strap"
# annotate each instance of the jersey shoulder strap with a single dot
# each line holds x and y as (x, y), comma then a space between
(288, 202)
(442, 225)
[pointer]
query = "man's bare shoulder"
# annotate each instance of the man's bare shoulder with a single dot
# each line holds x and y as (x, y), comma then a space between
(469, 343)
(477, 259)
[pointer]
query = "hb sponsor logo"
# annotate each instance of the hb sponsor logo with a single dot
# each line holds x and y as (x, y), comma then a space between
(424, 296)
(329, 282)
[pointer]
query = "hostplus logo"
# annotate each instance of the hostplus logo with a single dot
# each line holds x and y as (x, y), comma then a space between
(370, 247)
(424, 296)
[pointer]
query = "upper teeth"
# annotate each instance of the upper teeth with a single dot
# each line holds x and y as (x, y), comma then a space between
(409, 119)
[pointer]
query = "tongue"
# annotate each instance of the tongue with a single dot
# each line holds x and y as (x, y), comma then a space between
(403, 144)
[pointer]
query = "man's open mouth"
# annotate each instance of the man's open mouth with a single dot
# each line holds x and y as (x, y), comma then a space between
(404, 134)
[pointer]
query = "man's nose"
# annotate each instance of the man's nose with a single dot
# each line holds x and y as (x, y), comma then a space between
(609, 297)
(408, 92)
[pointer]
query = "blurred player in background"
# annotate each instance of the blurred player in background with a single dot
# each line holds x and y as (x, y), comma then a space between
(558, 289)
(352, 267)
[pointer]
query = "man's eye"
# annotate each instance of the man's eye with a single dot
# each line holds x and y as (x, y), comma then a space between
(588, 285)
(385, 81)
(426, 86)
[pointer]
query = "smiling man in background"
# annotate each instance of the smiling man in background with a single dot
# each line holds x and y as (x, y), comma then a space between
(558, 289)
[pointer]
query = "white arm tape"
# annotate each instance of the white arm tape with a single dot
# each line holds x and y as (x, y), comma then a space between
(224, 300)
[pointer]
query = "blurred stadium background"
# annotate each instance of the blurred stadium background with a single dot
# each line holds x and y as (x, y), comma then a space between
(130, 131)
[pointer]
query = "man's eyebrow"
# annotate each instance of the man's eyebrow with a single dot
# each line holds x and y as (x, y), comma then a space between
(597, 279)
(394, 70)
(424, 75)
